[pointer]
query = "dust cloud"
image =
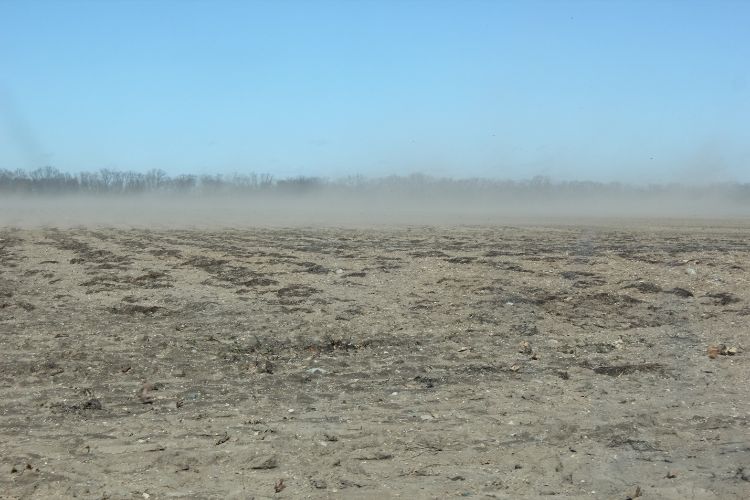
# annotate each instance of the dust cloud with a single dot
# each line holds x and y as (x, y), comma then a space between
(335, 208)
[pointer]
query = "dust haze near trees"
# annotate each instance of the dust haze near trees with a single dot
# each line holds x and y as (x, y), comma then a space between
(47, 196)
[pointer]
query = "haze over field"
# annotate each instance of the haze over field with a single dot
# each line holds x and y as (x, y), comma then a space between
(123, 200)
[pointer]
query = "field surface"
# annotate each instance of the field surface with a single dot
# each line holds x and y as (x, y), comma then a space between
(481, 362)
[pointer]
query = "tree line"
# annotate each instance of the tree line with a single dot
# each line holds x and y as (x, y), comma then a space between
(49, 180)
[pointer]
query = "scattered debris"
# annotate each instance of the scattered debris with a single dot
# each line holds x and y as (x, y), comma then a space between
(318, 484)
(723, 298)
(262, 463)
(427, 382)
(377, 455)
(721, 350)
(90, 404)
(645, 287)
(15, 469)
(627, 369)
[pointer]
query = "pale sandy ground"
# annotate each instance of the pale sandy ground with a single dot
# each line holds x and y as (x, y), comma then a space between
(492, 361)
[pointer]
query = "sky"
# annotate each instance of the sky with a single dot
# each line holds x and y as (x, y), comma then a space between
(635, 91)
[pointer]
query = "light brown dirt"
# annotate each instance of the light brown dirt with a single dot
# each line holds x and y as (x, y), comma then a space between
(485, 362)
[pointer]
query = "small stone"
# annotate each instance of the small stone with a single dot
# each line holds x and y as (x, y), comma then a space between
(671, 474)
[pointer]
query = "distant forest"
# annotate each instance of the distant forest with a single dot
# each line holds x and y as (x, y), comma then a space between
(49, 180)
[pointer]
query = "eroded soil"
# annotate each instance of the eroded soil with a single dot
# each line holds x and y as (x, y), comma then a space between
(496, 362)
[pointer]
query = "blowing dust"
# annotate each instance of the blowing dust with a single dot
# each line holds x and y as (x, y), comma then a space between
(366, 209)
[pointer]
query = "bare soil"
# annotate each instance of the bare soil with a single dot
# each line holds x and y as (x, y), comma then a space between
(487, 362)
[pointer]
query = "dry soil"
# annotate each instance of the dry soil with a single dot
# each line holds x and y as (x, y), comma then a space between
(422, 362)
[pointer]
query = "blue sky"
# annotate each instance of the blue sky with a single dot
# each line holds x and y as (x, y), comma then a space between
(634, 91)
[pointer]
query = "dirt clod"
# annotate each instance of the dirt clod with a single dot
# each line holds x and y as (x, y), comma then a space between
(525, 347)
(145, 393)
(279, 486)
(265, 462)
